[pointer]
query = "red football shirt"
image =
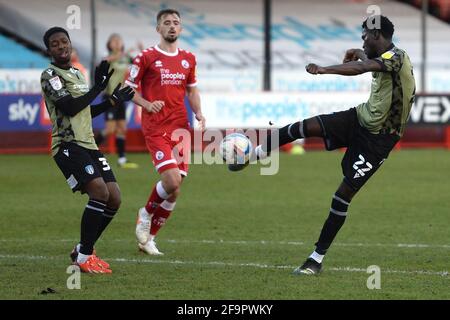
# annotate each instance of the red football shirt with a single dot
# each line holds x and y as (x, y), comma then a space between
(163, 76)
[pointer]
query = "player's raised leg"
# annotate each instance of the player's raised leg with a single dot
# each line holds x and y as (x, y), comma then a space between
(298, 130)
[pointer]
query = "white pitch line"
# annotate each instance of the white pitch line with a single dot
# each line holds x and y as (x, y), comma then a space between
(233, 264)
(258, 242)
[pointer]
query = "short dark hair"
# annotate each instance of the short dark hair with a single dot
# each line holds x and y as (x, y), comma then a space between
(385, 25)
(51, 32)
(108, 44)
(164, 12)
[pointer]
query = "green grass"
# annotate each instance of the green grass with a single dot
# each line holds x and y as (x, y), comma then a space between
(406, 202)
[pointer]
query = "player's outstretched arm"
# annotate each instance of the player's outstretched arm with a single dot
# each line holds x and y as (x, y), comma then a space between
(351, 68)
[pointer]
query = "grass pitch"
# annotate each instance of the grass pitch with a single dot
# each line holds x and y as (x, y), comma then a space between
(235, 235)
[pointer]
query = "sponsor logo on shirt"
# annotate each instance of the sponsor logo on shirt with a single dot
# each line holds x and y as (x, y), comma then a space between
(168, 78)
(82, 87)
(158, 64)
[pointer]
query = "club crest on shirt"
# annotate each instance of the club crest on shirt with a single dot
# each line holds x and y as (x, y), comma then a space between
(55, 82)
(89, 169)
(185, 64)
(134, 71)
(159, 155)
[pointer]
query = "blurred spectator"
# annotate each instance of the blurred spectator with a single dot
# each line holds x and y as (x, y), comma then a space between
(115, 117)
(75, 62)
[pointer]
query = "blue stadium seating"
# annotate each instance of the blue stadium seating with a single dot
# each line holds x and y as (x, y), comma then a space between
(16, 56)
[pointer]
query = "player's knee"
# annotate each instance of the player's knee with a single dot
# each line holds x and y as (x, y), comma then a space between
(345, 191)
(175, 194)
(115, 199)
(98, 190)
(172, 183)
(114, 202)
(121, 132)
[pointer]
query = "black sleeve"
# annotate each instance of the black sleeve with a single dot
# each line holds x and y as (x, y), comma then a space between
(70, 106)
(100, 108)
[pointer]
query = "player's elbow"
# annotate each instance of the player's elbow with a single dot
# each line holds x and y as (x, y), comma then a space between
(360, 68)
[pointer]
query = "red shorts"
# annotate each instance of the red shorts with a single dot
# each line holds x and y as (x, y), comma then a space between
(169, 150)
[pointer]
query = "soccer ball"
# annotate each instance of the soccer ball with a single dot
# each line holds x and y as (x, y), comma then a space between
(235, 150)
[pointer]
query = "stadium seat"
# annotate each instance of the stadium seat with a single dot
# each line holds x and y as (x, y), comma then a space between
(16, 56)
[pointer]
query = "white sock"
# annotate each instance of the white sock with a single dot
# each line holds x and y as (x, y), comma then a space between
(144, 212)
(260, 153)
(317, 257)
(169, 206)
(82, 258)
(161, 191)
(151, 238)
(122, 160)
(78, 247)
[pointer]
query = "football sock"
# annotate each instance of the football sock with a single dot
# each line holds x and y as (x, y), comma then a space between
(336, 218)
(90, 224)
(157, 196)
(160, 216)
(81, 258)
(120, 145)
(286, 134)
(317, 257)
(107, 217)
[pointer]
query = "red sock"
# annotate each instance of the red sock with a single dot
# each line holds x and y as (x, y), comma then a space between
(156, 197)
(160, 216)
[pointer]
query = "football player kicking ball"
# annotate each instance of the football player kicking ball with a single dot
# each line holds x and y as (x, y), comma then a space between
(165, 74)
(369, 131)
(68, 98)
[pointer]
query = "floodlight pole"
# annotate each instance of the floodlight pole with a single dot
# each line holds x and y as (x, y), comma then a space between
(93, 40)
(423, 67)
(267, 45)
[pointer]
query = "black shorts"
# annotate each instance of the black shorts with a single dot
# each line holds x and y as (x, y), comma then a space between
(115, 113)
(80, 165)
(365, 151)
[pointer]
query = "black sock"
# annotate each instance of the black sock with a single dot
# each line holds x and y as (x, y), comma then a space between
(90, 224)
(99, 138)
(336, 219)
(120, 145)
(286, 134)
(107, 217)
